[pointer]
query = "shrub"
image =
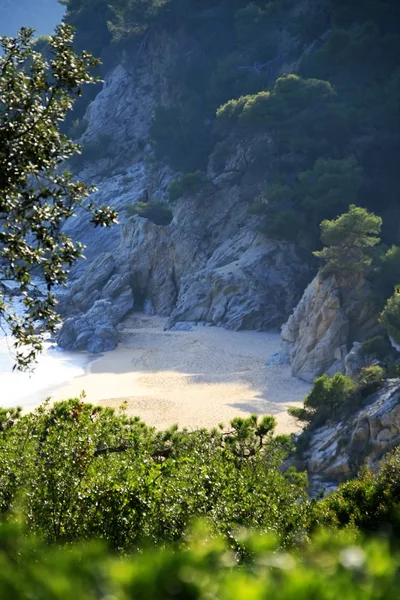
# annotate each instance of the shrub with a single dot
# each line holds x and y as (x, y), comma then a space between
(155, 211)
(93, 150)
(378, 346)
(389, 270)
(189, 184)
(332, 566)
(390, 316)
(327, 395)
(371, 378)
(181, 137)
(371, 502)
(86, 472)
(329, 392)
(220, 154)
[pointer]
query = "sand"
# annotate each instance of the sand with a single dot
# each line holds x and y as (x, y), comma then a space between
(197, 378)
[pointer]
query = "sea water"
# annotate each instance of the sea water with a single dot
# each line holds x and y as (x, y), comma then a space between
(55, 367)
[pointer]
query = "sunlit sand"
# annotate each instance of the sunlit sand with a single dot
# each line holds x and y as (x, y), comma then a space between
(197, 378)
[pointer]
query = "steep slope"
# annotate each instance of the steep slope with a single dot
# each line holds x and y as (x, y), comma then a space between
(210, 114)
(336, 451)
(211, 263)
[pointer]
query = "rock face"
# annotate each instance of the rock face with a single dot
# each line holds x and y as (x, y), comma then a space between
(95, 303)
(336, 452)
(210, 264)
(93, 331)
(246, 284)
(324, 325)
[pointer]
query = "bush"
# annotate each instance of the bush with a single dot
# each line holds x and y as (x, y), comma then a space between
(188, 185)
(329, 392)
(390, 316)
(330, 185)
(377, 346)
(74, 471)
(93, 150)
(371, 378)
(389, 270)
(332, 566)
(181, 137)
(155, 211)
(371, 502)
(327, 395)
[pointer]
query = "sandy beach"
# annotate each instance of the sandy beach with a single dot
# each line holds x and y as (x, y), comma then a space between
(197, 378)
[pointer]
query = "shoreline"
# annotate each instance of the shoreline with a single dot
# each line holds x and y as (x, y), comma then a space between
(196, 378)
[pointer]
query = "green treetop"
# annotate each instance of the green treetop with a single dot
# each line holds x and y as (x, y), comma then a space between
(36, 196)
(390, 317)
(348, 241)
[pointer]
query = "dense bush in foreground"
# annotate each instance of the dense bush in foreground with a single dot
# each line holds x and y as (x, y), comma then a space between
(75, 471)
(331, 567)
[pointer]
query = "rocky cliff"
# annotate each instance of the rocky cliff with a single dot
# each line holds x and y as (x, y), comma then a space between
(211, 263)
(324, 327)
(336, 451)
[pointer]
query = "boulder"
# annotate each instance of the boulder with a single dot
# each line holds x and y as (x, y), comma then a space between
(94, 331)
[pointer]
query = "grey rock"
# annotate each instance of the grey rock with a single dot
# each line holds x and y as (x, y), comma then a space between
(93, 331)
(246, 284)
(276, 359)
(354, 361)
(327, 319)
(183, 326)
(336, 451)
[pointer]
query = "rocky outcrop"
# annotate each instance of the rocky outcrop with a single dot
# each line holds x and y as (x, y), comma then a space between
(246, 284)
(94, 305)
(210, 264)
(94, 331)
(336, 451)
(324, 325)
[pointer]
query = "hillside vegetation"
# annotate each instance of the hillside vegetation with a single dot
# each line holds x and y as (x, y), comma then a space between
(320, 78)
(72, 473)
(94, 504)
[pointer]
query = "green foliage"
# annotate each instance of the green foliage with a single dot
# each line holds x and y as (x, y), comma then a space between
(132, 18)
(232, 78)
(181, 138)
(96, 149)
(389, 270)
(220, 154)
(36, 195)
(371, 502)
(333, 566)
(155, 211)
(348, 241)
(329, 392)
(74, 471)
(377, 346)
(371, 378)
(342, 102)
(326, 397)
(331, 185)
(390, 316)
(189, 184)
(301, 115)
